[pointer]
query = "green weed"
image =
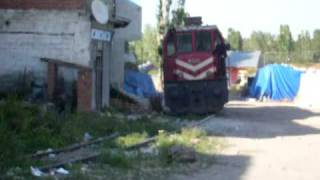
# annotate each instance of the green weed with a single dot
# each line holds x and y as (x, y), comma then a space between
(116, 159)
(131, 139)
(189, 137)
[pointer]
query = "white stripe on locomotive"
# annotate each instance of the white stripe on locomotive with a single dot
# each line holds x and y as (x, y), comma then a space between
(194, 68)
(201, 76)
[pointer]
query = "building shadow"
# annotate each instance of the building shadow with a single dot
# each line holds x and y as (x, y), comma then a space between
(238, 120)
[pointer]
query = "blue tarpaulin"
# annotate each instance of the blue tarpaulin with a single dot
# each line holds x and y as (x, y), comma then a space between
(277, 82)
(139, 84)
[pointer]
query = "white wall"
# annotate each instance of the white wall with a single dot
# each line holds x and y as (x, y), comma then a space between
(27, 36)
(133, 12)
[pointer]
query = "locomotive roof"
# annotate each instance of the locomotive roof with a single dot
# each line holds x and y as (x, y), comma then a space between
(196, 28)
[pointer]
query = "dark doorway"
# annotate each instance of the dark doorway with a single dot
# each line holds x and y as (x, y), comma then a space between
(99, 74)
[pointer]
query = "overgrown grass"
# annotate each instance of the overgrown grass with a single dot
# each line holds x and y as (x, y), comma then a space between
(25, 129)
(118, 164)
(117, 159)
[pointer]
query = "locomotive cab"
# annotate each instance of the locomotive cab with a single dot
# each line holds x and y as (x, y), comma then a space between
(194, 70)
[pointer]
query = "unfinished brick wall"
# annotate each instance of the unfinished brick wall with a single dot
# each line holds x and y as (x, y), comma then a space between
(42, 4)
(84, 90)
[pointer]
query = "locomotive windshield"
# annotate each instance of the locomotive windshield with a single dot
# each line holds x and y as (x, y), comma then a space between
(184, 43)
(203, 41)
(192, 41)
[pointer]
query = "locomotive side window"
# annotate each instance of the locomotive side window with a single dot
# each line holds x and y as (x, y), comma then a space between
(184, 43)
(170, 46)
(203, 41)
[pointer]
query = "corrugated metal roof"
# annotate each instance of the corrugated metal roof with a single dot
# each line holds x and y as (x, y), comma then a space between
(242, 59)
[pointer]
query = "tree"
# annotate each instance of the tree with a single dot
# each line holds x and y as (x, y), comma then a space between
(303, 48)
(163, 16)
(316, 45)
(167, 20)
(264, 42)
(146, 49)
(178, 17)
(179, 14)
(316, 40)
(261, 41)
(285, 40)
(181, 3)
(304, 42)
(235, 39)
(282, 47)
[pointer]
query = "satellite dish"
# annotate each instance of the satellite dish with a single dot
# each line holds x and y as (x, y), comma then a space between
(100, 11)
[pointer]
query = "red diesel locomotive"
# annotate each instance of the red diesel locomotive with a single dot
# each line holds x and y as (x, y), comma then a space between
(194, 70)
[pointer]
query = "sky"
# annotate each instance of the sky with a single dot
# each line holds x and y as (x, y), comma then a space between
(247, 15)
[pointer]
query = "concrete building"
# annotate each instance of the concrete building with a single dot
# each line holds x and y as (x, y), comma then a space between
(120, 55)
(58, 39)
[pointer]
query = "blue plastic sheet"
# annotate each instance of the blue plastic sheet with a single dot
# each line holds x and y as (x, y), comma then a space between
(277, 82)
(139, 84)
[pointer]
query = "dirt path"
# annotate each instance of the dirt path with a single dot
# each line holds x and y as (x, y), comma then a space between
(265, 141)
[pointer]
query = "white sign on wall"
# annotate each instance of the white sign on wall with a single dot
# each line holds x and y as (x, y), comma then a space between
(100, 35)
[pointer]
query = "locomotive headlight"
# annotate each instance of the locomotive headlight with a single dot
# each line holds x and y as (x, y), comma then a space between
(179, 74)
(210, 73)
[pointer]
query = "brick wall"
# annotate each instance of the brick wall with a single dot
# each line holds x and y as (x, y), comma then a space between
(84, 90)
(42, 4)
